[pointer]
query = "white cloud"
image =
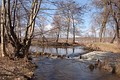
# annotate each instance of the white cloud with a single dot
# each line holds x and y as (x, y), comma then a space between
(48, 27)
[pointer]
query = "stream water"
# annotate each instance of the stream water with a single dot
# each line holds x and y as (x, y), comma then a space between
(67, 69)
(60, 51)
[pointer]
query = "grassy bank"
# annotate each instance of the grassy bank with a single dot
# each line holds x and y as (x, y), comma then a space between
(103, 47)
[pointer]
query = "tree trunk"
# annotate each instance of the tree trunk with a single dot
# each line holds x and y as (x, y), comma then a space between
(21, 48)
(104, 21)
(0, 24)
(57, 38)
(73, 30)
(3, 21)
(68, 30)
(30, 28)
(113, 39)
(58, 35)
(117, 33)
(116, 18)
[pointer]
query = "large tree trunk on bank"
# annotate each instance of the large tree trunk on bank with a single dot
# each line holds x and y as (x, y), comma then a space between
(3, 21)
(21, 48)
(14, 40)
(30, 29)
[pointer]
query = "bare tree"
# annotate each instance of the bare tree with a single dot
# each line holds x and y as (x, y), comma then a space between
(115, 12)
(110, 9)
(104, 20)
(72, 12)
(20, 47)
(57, 22)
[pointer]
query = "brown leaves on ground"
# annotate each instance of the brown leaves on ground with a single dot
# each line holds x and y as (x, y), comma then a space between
(15, 70)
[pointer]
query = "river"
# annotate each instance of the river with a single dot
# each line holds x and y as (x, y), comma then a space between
(72, 68)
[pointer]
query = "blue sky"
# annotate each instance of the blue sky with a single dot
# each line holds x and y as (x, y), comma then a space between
(87, 15)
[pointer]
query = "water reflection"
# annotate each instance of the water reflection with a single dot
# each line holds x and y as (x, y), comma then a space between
(70, 51)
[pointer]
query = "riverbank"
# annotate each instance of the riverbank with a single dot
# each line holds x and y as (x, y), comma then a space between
(102, 47)
(16, 69)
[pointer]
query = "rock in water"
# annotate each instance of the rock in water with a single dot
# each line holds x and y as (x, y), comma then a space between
(91, 67)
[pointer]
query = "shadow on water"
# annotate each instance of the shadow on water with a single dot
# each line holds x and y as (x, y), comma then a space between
(66, 69)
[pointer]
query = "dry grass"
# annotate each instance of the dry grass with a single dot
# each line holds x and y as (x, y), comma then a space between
(105, 47)
(118, 69)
